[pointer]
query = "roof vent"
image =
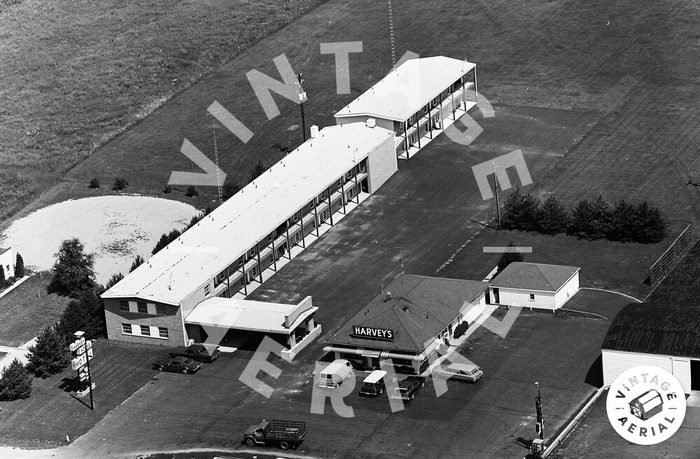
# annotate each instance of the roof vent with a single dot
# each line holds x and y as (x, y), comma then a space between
(388, 296)
(406, 309)
(314, 131)
(371, 122)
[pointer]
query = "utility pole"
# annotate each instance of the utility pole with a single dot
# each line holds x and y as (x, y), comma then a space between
(498, 203)
(537, 447)
(216, 158)
(302, 99)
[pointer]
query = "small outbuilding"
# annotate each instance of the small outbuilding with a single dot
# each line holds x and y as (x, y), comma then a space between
(7, 261)
(534, 285)
(662, 335)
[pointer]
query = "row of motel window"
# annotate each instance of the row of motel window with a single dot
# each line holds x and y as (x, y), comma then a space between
(145, 330)
(413, 119)
(142, 307)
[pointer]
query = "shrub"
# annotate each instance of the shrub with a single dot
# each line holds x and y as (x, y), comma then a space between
(94, 183)
(73, 271)
(230, 189)
(119, 184)
(16, 382)
(257, 170)
(461, 329)
(19, 266)
(191, 191)
(167, 189)
(50, 354)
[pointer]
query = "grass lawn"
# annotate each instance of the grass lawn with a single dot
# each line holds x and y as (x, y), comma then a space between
(53, 411)
(610, 265)
(76, 73)
(27, 309)
(682, 285)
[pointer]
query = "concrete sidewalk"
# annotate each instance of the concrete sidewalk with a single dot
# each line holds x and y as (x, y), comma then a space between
(20, 353)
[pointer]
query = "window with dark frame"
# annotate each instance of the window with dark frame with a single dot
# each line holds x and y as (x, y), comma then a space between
(160, 309)
(163, 332)
(126, 329)
(532, 297)
(123, 305)
(143, 309)
(145, 330)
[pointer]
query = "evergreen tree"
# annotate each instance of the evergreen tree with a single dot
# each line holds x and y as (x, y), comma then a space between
(87, 314)
(553, 217)
(138, 261)
(602, 219)
(623, 225)
(19, 267)
(73, 271)
(651, 226)
(508, 258)
(230, 189)
(116, 277)
(16, 382)
(581, 217)
(50, 354)
(520, 211)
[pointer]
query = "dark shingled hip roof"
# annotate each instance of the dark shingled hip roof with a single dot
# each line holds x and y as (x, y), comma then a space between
(419, 309)
(653, 328)
(534, 276)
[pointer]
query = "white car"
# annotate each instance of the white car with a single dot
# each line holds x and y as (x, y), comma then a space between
(459, 371)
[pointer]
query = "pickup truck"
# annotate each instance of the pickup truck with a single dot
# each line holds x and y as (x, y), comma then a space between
(285, 434)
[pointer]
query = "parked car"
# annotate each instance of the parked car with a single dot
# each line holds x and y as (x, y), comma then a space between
(285, 434)
(373, 385)
(408, 387)
(200, 352)
(177, 365)
(459, 371)
(334, 374)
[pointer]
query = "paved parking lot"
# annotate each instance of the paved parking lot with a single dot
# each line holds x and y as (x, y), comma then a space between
(213, 408)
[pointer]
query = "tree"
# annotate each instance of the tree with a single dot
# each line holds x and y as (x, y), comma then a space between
(257, 170)
(113, 280)
(19, 267)
(50, 354)
(119, 184)
(602, 219)
(508, 258)
(191, 191)
(553, 217)
(651, 226)
(138, 261)
(94, 183)
(73, 271)
(164, 240)
(581, 218)
(520, 211)
(87, 314)
(16, 382)
(623, 224)
(461, 328)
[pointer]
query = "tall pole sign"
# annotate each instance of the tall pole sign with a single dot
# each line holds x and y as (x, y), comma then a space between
(82, 354)
(302, 99)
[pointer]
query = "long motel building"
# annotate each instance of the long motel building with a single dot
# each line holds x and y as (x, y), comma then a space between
(417, 101)
(249, 237)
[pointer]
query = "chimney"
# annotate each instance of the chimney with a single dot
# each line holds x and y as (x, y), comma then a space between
(371, 122)
(314, 131)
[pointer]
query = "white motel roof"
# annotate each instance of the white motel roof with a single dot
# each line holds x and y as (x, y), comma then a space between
(206, 249)
(407, 88)
(248, 315)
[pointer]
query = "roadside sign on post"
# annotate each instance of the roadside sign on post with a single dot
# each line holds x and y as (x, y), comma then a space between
(82, 354)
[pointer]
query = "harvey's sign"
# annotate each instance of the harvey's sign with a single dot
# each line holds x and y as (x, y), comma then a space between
(383, 334)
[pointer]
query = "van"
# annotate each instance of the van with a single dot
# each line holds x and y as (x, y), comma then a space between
(334, 374)
(373, 385)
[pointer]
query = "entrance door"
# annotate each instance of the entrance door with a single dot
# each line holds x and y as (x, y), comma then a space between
(695, 375)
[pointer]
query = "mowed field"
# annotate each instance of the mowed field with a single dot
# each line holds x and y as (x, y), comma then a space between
(76, 72)
(628, 67)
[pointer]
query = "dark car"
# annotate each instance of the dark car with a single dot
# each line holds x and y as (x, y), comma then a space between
(200, 352)
(408, 387)
(177, 365)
